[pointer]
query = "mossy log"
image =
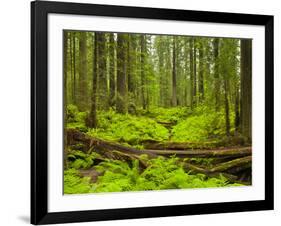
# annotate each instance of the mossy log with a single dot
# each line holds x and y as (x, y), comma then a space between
(74, 136)
(232, 164)
(240, 161)
(211, 144)
(229, 152)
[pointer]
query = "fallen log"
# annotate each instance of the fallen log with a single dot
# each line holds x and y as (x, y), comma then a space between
(155, 145)
(231, 164)
(113, 150)
(229, 152)
(104, 146)
(211, 144)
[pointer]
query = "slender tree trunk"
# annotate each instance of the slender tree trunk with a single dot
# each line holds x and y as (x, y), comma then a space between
(161, 73)
(226, 107)
(71, 65)
(65, 45)
(195, 72)
(246, 88)
(216, 74)
(191, 66)
(143, 77)
(237, 110)
(74, 82)
(174, 75)
(201, 73)
(121, 105)
(92, 121)
(111, 70)
(102, 80)
(82, 103)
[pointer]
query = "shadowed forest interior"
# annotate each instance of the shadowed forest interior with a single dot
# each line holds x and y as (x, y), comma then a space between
(152, 112)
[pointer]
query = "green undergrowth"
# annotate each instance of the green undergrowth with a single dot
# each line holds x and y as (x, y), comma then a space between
(203, 125)
(119, 176)
(128, 128)
(169, 115)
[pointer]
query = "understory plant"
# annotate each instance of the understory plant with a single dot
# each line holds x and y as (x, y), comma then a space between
(120, 176)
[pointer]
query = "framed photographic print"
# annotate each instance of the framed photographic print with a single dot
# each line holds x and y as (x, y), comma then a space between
(145, 112)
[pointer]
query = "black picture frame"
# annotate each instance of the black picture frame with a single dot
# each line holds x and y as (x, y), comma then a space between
(39, 113)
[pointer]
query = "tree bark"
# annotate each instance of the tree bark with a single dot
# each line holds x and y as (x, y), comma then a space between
(92, 121)
(195, 72)
(82, 100)
(121, 102)
(143, 73)
(216, 74)
(112, 79)
(201, 72)
(174, 75)
(246, 88)
(102, 80)
(191, 66)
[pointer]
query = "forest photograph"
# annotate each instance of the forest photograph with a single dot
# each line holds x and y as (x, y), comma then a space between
(146, 112)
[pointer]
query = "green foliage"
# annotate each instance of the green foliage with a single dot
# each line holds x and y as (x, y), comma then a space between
(203, 125)
(172, 115)
(75, 119)
(74, 184)
(120, 176)
(81, 160)
(128, 129)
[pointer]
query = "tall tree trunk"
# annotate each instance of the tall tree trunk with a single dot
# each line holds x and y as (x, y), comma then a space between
(74, 80)
(226, 106)
(65, 45)
(102, 80)
(111, 70)
(143, 76)
(191, 66)
(246, 88)
(71, 65)
(216, 73)
(195, 72)
(92, 121)
(174, 75)
(201, 72)
(161, 72)
(237, 110)
(82, 102)
(121, 105)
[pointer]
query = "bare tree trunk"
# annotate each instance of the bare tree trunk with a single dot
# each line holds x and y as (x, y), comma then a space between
(174, 75)
(92, 121)
(246, 88)
(111, 69)
(143, 79)
(102, 80)
(226, 107)
(191, 46)
(195, 73)
(74, 85)
(82, 102)
(201, 73)
(216, 74)
(121, 74)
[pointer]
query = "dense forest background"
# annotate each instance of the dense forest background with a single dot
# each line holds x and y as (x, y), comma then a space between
(140, 89)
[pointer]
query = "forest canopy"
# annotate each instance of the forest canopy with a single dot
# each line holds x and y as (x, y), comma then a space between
(136, 104)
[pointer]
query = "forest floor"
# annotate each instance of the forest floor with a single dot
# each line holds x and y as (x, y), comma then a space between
(152, 150)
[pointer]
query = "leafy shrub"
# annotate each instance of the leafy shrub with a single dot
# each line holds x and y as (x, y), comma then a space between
(128, 129)
(75, 119)
(172, 115)
(201, 126)
(74, 184)
(118, 176)
(81, 160)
